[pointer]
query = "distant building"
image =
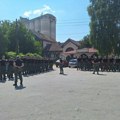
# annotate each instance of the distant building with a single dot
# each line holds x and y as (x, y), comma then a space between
(70, 45)
(72, 49)
(45, 24)
(44, 29)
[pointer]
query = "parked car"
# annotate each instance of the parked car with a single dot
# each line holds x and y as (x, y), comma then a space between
(72, 63)
(65, 63)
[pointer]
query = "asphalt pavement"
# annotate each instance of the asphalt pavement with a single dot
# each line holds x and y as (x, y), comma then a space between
(76, 95)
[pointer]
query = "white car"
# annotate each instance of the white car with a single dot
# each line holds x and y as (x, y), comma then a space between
(72, 63)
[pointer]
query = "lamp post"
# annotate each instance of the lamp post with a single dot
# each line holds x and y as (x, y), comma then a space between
(17, 40)
(118, 45)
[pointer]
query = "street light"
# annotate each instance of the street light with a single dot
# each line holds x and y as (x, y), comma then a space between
(17, 40)
(118, 45)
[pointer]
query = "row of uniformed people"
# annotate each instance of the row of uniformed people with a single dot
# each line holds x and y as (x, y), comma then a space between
(31, 66)
(104, 64)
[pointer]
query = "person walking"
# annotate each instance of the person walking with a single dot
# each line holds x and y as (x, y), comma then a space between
(18, 65)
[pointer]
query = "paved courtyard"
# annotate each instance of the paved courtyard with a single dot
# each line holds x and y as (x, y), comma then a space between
(77, 95)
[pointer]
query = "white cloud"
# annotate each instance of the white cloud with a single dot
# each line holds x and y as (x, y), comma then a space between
(38, 11)
(45, 9)
(27, 13)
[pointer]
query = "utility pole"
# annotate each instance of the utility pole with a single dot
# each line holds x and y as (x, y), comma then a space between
(17, 40)
(118, 48)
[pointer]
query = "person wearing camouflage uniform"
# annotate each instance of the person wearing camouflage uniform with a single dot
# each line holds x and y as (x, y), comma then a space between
(96, 65)
(18, 65)
(61, 67)
(3, 68)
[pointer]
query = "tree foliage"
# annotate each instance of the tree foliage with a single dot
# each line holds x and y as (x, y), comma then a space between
(4, 25)
(86, 43)
(15, 37)
(105, 25)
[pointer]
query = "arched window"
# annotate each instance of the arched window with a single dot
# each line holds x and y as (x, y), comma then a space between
(69, 49)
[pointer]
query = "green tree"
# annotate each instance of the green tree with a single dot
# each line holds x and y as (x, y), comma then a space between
(22, 40)
(4, 30)
(105, 25)
(15, 37)
(2, 43)
(10, 54)
(86, 43)
(38, 47)
(12, 38)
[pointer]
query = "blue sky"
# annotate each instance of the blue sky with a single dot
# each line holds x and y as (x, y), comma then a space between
(72, 16)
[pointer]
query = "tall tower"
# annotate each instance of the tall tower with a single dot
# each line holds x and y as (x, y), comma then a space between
(45, 24)
(48, 26)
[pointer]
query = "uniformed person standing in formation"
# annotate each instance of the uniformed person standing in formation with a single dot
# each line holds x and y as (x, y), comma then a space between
(10, 70)
(61, 67)
(18, 65)
(3, 68)
(78, 63)
(96, 65)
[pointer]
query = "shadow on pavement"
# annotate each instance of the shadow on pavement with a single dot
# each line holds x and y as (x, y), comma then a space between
(19, 87)
(63, 74)
(100, 74)
(2, 81)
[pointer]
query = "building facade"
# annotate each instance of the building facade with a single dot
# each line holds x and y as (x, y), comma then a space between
(44, 29)
(70, 45)
(45, 24)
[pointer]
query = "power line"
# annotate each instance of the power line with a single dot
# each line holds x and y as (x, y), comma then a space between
(73, 23)
(88, 20)
(65, 20)
(72, 33)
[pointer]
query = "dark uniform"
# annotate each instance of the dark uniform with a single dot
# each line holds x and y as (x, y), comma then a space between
(0, 71)
(3, 69)
(61, 67)
(118, 64)
(10, 69)
(18, 65)
(96, 65)
(78, 63)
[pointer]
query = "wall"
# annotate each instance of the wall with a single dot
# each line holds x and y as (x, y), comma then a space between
(45, 24)
(70, 44)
